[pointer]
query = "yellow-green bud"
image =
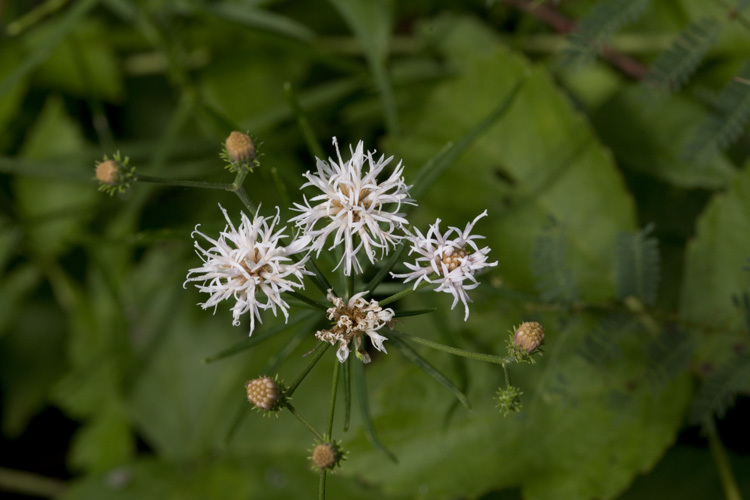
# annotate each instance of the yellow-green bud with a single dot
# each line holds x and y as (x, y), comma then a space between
(240, 147)
(529, 336)
(264, 393)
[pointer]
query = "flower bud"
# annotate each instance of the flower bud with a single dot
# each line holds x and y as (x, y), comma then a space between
(326, 456)
(264, 393)
(107, 172)
(529, 336)
(508, 400)
(240, 147)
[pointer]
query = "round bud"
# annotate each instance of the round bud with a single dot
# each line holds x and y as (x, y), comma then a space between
(263, 392)
(240, 147)
(326, 456)
(107, 172)
(529, 336)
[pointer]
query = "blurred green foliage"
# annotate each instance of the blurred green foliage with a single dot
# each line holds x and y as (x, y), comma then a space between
(647, 330)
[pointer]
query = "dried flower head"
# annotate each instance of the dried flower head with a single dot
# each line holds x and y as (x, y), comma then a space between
(265, 393)
(358, 317)
(240, 148)
(250, 265)
(360, 211)
(449, 259)
(326, 456)
(529, 336)
(115, 175)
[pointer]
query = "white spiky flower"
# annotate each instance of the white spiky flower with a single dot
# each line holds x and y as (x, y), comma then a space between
(353, 319)
(250, 265)
(354, 206)
(449, 259)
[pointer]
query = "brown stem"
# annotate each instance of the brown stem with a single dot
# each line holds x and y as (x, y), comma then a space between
(627, 65)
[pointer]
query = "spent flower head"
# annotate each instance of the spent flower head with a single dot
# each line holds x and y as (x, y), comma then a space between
(239, 152)
(352, 320)
(250, 265)
(449, 259)
(326, 456)
(354, 207)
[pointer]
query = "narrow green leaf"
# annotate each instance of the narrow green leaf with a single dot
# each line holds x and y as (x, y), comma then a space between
(258, 338)
(364, 407)
(262, 19)
(347, 392)
(415, 312)
(435, 166)
(424, 365)
(385, 268)
(311, 140)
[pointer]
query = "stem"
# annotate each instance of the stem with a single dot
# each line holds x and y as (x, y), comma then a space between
(307, 300)
(349, 286)
(322, 486)
(242, 195)
(27, 483)
(303, 374)
(507, 375)
(184, 183)
(304, 421)
(347, 392)
(403, 293)
(489, 358)
(334, 389)
(728, 482)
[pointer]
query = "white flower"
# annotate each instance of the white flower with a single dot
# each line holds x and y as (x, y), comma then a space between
(249, 265)
(449, 259)
(358, 317)
(354, 207)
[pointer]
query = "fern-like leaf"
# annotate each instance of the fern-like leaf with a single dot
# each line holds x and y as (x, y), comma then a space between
(675, 65)
(719, 131)
(603, 21)
(717, 393)
(668, 355)
(637, 265)
(554, 280)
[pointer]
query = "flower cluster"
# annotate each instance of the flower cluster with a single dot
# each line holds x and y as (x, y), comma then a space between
(359, 316)
(354, 209)
(250, 265)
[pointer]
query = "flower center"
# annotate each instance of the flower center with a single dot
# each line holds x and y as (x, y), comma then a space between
(452, 258)
(348, 204)
(252, 259)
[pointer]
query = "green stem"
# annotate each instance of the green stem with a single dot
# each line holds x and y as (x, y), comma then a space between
(30, 484)
(728, 482)
(403, 293)
(507, 375)
(184, 183)
(303, 374)
(242, 195)
(322, 486)
(304, 421)
(334, 389)
(489, 358)
(307, 300)
(347, 392)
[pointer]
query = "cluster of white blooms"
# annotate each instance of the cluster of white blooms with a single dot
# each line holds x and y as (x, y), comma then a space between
(251, 265)
(354, 206)
(359, 316)
(448, 260)
(248, 263)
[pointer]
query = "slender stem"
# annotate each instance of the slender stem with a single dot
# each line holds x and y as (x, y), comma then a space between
(489, 358)
(322, 486)
(403, 293)
(184, 183)
(728, 482)
(303, 374)
(304, 421)
(307, 300)
(507, 375)
(30, 484)
(334, 390)
(242, 195)
(347, 392)
(349, 286)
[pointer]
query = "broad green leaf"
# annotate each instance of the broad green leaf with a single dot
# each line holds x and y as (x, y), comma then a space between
(54, 210)
(30, 362)
(715, 260)
(105, 442)
(10, 102)
(647, 135)
(540, 160)
(584, 430)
